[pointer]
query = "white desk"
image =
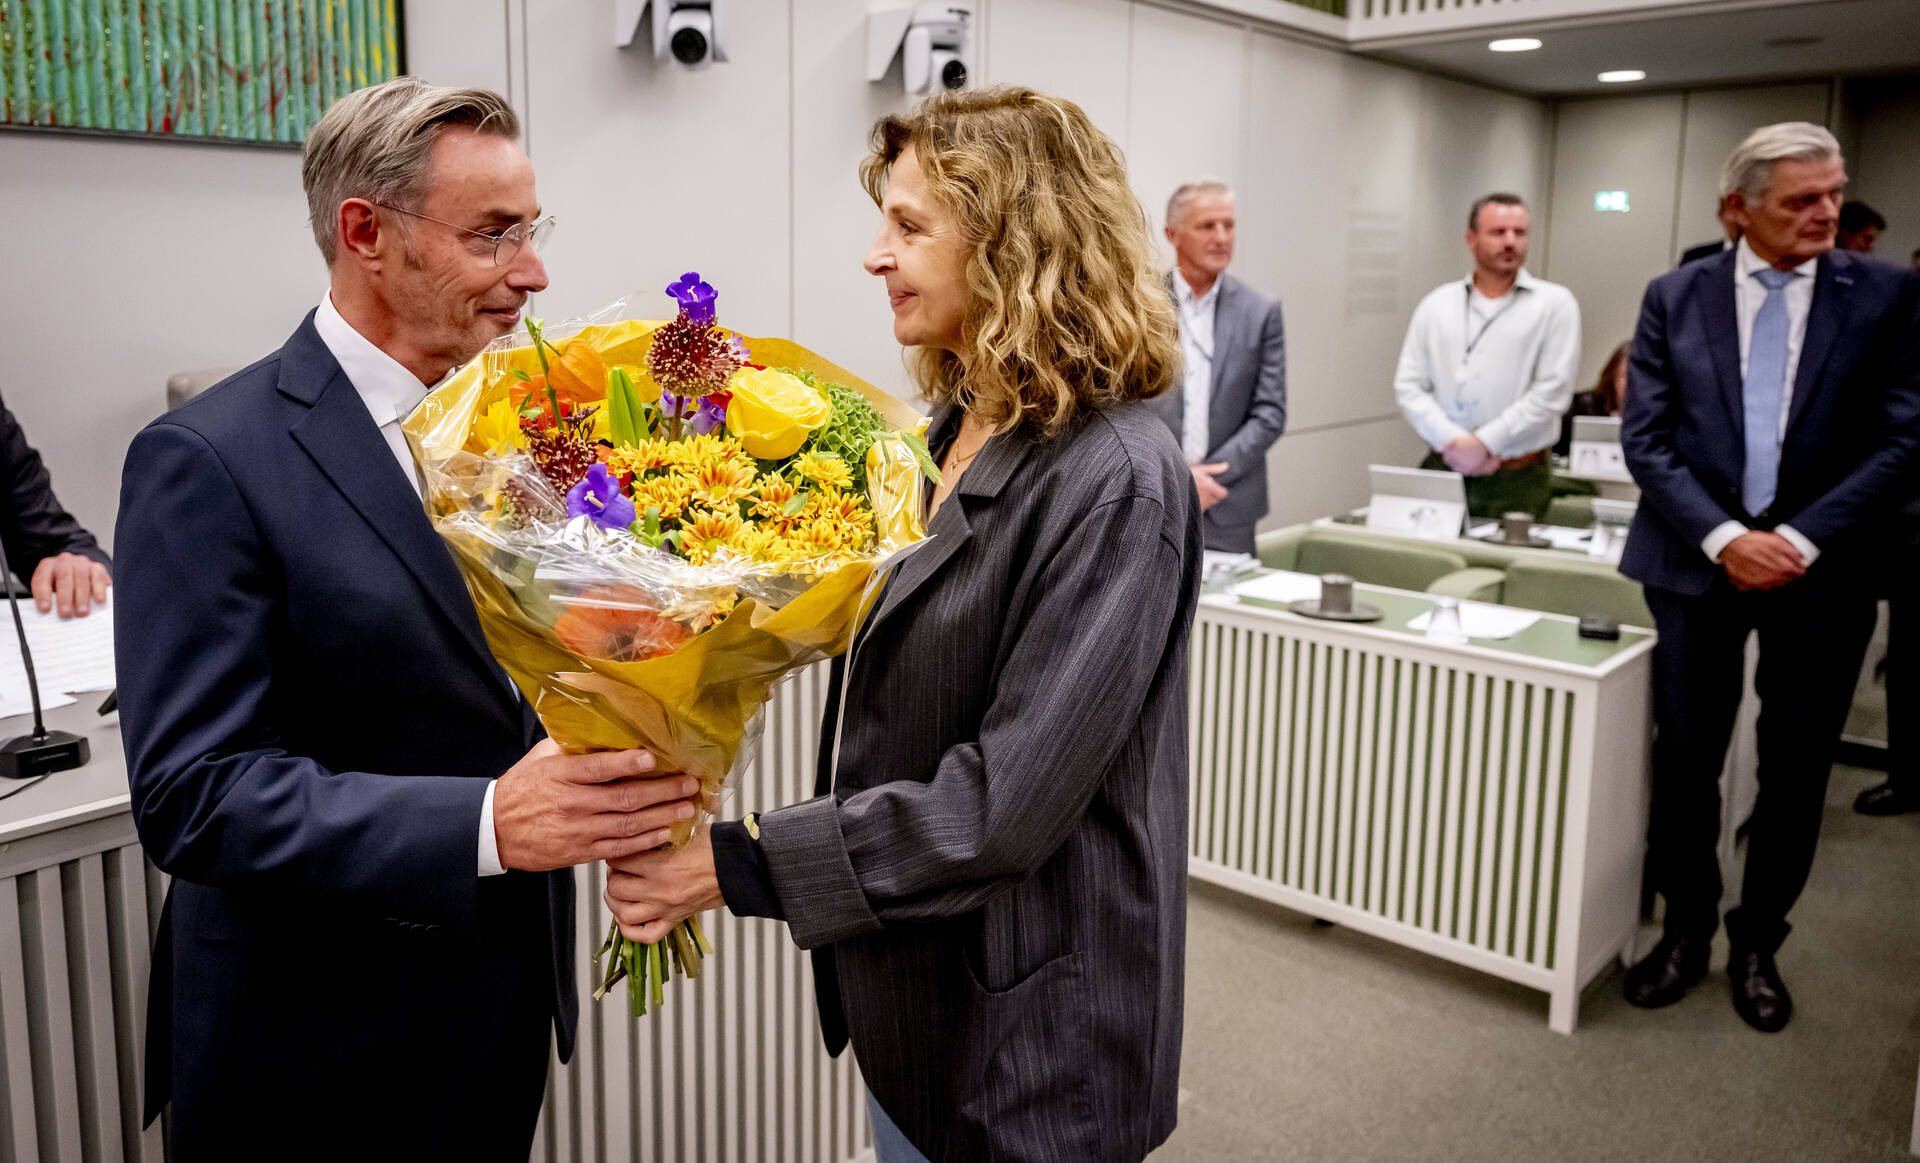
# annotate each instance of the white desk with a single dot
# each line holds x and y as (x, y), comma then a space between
(733, 1066)
(1485, 803)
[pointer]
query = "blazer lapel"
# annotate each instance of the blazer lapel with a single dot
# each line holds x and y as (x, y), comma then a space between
(1723, 333)
(341, 437)
(1831, 292)
(951, 527)
(1226, 333)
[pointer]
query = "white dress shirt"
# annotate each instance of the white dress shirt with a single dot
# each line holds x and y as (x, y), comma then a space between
(1499, 369)
(1196, 345)
(1748, 294)
(391, 392)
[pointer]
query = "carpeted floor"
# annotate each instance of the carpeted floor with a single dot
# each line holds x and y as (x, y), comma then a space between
(1317, 1043)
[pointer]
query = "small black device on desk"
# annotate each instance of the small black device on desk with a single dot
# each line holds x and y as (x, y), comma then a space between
(1601, 627)
(44, 752)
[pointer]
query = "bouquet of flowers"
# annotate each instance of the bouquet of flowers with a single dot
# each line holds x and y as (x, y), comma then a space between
(659, 521)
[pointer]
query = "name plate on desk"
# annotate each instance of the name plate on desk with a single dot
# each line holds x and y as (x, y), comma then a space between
(1595, 452)
(1416, 502)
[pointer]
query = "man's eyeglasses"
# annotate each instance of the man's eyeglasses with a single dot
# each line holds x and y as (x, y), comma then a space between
(507, 243)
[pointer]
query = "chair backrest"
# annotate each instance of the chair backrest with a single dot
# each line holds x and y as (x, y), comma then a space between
(1572, 512)
(184, 386)
(1280, 548)
(1577, 588)
(1374, 560)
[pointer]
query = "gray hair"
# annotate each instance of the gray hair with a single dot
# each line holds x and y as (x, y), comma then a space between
(1749, 169)
(377, 143)
(1188, 191)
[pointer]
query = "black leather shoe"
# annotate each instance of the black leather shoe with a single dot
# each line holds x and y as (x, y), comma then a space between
(1758, 993)
(1886, 800)
(1662, 976)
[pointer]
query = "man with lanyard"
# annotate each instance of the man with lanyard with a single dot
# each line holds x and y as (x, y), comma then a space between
(1487, 368)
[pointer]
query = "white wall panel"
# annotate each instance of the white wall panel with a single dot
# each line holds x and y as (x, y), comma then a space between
(1077, 49)
(1606, 257)
(1718, 120)
(1187, 109)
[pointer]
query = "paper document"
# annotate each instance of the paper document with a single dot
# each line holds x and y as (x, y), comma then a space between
(1480, 620)
(1211, 559)
(69, 654)
(1282, 585)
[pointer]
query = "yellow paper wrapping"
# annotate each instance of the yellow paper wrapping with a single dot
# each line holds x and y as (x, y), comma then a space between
(693, 708)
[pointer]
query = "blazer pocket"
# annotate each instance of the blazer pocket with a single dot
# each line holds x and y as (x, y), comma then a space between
(1026, 1052)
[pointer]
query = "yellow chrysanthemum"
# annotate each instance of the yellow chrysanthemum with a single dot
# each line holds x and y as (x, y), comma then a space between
(640, 459)
(497, 428)
(771, 497)
(830, 504)
(706, 533)
(719, 483)
(697, 451)
(752, 541)
(671, 494)
(823, 468)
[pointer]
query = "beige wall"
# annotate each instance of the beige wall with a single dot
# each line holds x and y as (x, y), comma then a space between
(1665, 150)
(1884, 161)
(131, 260)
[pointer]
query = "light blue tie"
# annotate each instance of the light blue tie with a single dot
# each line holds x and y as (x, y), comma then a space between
(1765, 388)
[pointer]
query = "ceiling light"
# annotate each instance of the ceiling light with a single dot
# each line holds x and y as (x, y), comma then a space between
(1515, 44)
(1622, 76)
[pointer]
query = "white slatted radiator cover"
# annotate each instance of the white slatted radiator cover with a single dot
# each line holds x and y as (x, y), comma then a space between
(732, 1070)
(75, 940)
(1437, 799)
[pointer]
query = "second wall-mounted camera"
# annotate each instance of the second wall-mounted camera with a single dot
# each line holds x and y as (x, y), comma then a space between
(932, 40)
(690, 30)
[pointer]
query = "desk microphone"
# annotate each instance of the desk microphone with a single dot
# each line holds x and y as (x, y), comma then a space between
(43, 752)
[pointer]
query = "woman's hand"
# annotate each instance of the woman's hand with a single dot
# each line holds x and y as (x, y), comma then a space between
(652, 892)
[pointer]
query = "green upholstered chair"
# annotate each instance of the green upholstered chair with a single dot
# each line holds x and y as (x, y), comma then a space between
(1377, 561)
(1577, 588)
(1572, 512)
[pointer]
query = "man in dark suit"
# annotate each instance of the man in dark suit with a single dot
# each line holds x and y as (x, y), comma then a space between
(367, 945)
(48, 550)
(1710, 249)
(1231, 404)
(1772, 421)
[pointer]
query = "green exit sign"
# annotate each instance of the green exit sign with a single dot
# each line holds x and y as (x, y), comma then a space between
(1610, 200)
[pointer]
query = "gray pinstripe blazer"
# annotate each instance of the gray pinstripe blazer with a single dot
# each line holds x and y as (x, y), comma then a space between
(995, 890)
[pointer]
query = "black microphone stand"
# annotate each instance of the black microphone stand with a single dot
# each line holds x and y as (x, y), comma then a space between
(43, 752)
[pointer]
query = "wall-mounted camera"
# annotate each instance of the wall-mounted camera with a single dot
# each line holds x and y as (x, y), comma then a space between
(690, 30)
(931, 40)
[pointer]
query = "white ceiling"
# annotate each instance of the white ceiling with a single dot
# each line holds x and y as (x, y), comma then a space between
(1857, 37)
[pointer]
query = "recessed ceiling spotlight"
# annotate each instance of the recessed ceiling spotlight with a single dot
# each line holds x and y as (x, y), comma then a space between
(1622, 76)
(1515, 44)
(1792, 41)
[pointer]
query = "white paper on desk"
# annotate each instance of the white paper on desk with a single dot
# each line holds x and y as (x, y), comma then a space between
(69, 654)
(1480, 620)
(14, 702)
(1211, 559)
(1282, 585)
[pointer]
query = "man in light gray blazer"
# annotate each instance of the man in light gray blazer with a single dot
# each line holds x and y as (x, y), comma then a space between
(1231, 403)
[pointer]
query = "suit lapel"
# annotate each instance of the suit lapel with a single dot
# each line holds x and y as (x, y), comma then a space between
(1226, 333)
(1723, 332)
(346, 445)
(1831, 291)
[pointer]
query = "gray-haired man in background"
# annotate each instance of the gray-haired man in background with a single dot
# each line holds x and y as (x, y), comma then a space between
(1231, 404)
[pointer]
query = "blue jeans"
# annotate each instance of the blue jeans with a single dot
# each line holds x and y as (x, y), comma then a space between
(889, 1144)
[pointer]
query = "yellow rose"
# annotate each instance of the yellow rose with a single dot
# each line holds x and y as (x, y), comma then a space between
(773, 413)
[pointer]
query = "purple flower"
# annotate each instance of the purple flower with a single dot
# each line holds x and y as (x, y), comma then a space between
(598, 496)
(711, 415)
(674, 407)
(695, 298)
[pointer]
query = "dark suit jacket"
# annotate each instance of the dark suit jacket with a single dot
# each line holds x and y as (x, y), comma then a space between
(1853, 429)
(1704, 250)
(1246, 412)
(995, 890)
(33, 526)
(311, 716)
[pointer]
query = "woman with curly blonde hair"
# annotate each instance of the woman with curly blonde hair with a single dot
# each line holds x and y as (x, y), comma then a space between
(992, 876)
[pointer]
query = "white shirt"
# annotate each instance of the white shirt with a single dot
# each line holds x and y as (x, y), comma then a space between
(391, 393)
(1196, 344)
(1499, 369)
(1748, 294)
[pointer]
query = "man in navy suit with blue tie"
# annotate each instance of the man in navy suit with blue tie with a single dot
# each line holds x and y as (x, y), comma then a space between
(367, 948)
(1773, 425)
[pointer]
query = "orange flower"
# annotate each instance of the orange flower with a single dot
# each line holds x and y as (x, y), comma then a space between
(606, 624)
